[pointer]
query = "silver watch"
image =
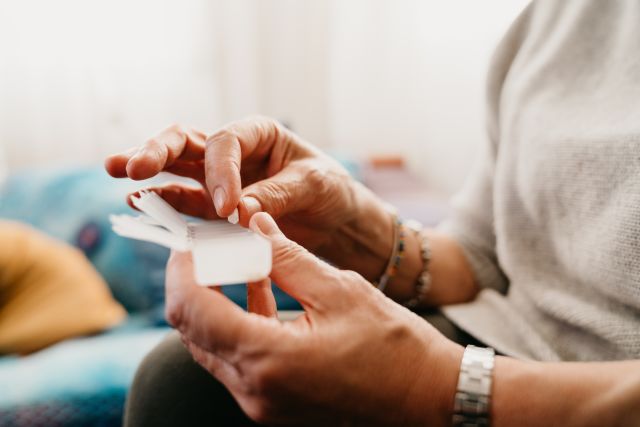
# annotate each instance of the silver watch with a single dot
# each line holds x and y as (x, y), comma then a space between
(471, 407)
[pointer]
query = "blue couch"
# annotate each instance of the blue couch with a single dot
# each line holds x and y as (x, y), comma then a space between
(84, 381)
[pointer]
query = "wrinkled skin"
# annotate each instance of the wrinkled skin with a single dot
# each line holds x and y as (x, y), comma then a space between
(255, 165)
(353, 358)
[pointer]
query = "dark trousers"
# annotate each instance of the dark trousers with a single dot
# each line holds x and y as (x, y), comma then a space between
(170, 389)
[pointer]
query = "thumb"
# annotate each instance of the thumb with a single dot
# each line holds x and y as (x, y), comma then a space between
(294, 269)
(277, 195)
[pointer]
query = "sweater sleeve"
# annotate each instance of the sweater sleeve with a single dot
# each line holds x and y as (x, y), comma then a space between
(471, 222)
(471, 225)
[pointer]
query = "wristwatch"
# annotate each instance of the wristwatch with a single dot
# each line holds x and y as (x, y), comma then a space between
(471, 407)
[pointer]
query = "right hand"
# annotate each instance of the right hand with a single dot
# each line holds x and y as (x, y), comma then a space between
(254, 165)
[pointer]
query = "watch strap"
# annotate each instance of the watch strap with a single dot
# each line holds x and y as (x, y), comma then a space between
(473, 396)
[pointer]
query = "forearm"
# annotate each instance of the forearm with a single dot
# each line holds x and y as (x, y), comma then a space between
(366, 243)
(566, 394)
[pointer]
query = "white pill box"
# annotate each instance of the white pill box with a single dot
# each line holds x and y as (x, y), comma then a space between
(223, 253)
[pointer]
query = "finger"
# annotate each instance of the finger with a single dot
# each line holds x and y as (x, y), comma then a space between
(295, 270)
(187, 200)
(222, 370)
(207, 318)
(188, 169)
(283, 193)
(224, 153)
(116, 164)
(158, 153)
(260, 299)
(247, 207)
(163, 150)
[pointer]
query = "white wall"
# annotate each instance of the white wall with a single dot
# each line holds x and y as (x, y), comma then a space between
(408, 76)
(280, 67)
(79, 79)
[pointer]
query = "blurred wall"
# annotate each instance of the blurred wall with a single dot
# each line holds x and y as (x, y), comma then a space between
(409, 76)
(80, 79)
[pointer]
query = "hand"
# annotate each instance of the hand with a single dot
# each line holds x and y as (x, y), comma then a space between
(253, 165)
(353, 357)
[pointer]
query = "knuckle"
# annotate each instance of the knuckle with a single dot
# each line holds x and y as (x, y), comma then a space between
(173, 313)
(226, 166)
(318, 179)
(273, 126)
(175, 128)
(224, 172)
(268, 127)
(153, 144)
(223, 136)
(156, 149)
(274, 195)
(287, 252)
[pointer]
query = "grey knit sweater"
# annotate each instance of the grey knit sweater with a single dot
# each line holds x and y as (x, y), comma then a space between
(550, 219)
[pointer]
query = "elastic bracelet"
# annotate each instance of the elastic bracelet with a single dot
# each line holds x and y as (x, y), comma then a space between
(423, 283)
(396, 255)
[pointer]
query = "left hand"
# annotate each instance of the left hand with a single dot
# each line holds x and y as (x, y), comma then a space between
(353, 357)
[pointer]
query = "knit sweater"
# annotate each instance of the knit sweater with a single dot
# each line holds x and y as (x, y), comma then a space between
(550, 218)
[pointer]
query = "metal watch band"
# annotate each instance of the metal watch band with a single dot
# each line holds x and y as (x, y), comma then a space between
(473, 396)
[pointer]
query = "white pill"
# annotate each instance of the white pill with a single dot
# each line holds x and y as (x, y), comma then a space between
(234, 217)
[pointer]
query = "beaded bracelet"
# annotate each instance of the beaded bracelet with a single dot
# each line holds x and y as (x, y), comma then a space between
(396, 255)
(424, 279)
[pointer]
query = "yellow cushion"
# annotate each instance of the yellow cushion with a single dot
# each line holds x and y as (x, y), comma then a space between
(49, 292)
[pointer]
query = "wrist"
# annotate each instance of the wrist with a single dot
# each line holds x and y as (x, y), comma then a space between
(365, 242)
(433, 395)
(594, 393)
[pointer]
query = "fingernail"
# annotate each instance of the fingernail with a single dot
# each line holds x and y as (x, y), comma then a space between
(265, 224)
(219, 198)
(251, 205)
